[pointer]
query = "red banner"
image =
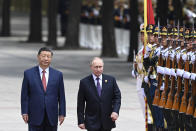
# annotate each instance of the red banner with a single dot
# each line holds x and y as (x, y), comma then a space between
(150, 14)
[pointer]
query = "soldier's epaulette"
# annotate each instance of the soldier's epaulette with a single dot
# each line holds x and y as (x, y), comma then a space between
(167, 49)
(183, 51)
(154, 46)
(170, 49)
(177, 50)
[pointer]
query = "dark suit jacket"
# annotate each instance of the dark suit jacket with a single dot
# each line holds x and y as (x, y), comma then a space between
(35, 101)
(94, 110)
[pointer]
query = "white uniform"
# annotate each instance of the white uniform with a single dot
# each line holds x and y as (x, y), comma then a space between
(139, 76)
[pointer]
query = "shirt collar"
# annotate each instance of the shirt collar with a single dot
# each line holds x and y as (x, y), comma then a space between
(94, 77)
(40, 70)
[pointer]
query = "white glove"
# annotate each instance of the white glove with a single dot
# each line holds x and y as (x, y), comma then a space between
(173, 73)
(162, 86)
(160, 70)
(180, 72)
(167, 71)
(184, 57)
(146, 79)
(193, 76)
(186, 74)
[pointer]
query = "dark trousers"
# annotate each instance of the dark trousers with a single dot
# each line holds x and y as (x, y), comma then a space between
(170, 120)
(181, 121)
(188, 123)
(45, 126)
(158, 113)
(175, 119)
(101, 129)
(194, 123)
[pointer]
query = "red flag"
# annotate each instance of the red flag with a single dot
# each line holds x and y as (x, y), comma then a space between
(150, 14)
(148, 19)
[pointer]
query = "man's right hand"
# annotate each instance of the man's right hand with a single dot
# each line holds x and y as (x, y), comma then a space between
(81, 126)
(25, 118)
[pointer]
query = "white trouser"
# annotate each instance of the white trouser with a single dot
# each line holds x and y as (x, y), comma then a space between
(141, 96)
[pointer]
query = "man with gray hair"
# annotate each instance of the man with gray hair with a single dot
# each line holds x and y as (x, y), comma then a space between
(99, 99)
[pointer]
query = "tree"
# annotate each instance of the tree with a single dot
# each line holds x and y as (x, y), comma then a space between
(134, 28)
(35, 21)
(178, 11)
(0, 15)
(5, 18)
(52, 28)
(108, 44)
(72, 39)
(162, 12)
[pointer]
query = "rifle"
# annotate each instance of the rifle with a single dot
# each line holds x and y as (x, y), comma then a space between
(170, 98)
(179, 88)
(176, 46)
(157, 91)
(183, 106)
(163, 94)
(191, 104)
(191, 101)
(194, 86)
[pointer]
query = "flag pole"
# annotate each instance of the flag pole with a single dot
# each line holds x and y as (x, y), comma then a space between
(145, 25)
(145, 43)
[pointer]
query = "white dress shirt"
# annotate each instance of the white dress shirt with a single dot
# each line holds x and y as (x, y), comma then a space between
(46, 74)
(100, 80)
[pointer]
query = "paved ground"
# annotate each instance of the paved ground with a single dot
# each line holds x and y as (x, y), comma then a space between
(16, 56)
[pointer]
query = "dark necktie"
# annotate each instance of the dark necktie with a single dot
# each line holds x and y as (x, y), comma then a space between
(98, 86)
(44, 79)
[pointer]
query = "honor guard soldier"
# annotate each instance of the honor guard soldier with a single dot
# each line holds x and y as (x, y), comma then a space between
(138, 73)
(193, 81)
(184, 112)
(170, 72)
(190, 86)
(164, 82)
(159, 101)
(150, 78)
(179, 71)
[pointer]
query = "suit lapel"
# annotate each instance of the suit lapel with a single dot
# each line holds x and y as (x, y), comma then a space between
(92, 84)
(38, 78)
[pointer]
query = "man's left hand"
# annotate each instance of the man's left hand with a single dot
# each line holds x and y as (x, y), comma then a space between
(114, 116)
(61, 119)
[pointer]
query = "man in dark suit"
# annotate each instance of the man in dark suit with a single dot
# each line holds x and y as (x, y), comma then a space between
(42, 93)
(99, 100)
